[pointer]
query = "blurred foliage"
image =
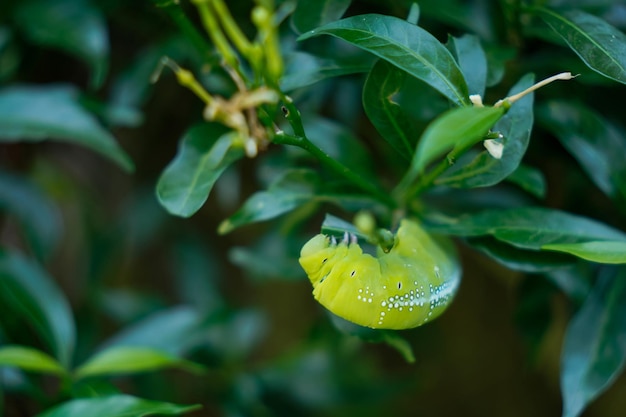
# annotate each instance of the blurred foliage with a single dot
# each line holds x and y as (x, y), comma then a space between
(150, 231)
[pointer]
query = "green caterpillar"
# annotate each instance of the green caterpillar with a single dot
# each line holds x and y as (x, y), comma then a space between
(408, 286)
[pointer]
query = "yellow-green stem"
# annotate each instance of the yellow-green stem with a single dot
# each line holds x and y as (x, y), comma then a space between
(231, 28)
(323, 157)
(186, 79)
(215, 33)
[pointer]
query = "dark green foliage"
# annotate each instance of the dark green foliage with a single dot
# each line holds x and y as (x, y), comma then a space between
(150, 231)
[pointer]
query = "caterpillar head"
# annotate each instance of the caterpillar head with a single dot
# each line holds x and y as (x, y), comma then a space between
(319, 255)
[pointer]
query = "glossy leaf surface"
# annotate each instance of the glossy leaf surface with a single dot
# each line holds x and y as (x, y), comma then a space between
(594, 350)
(601, 46)
(607, 252)
(404, 45)
(36, 113)
(131, 359)
(29, 359)
(117, 406)
(311, 14)
(531, 227)
(472, 60)
(482, 169)
(74, 26)
(28, 291)
(596, 143)
(454, 131)
(205, 151)
(289, 191)
(392, 123)
(35, 212)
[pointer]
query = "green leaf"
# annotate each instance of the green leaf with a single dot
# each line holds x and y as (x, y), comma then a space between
(205, 151)
(601, 46)
(393, 124)
(404, 45)
(73, 26)
(594, 349)
(35, 212)
(337, 227)
(389, 337)
(35, 113)
(472, 61)
(575, 281)
(237, 335)
(29, 359)
(303, 69)
(529, 179)
(117, 406)
(340, 144)
(197, 268)
(94, 388)
(172, 331)
(10, 60)
(482, 170)
(290, 190)
(311, 14)
(520, 259)
(26, 291)
(400, 344)
(531, 227)
(273, 256)
(607, 252)
(455, 131)
(598, 146)
(533, 314)
(131, 359)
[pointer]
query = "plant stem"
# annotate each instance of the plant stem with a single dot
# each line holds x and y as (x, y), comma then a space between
(304, 143)
(428, 179)
(185, 78)
(215, 33)
(292, 114)
(299, 139)
(230, 27)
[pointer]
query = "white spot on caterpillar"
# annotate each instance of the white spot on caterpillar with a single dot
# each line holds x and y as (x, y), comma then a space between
(369, 300)
(382, 313)
(360, 290)
(383, 303)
